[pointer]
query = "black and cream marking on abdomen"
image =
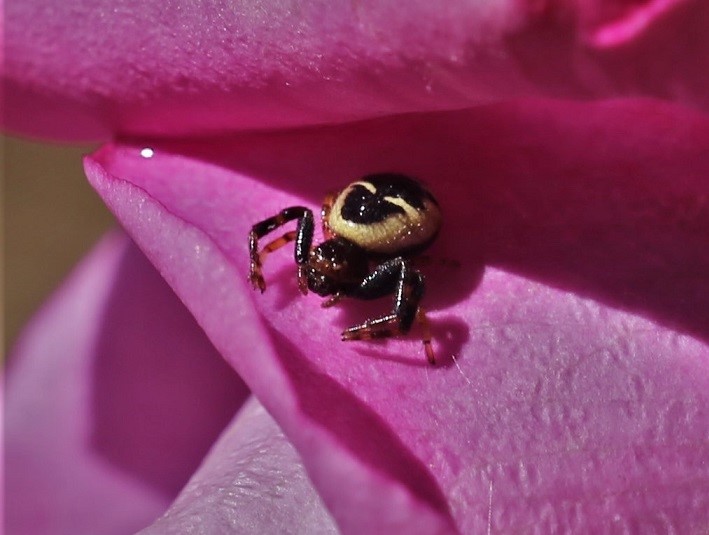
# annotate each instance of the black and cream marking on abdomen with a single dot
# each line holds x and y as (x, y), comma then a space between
(386, 214)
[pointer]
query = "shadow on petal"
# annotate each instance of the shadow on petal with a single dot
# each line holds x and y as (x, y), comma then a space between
(357, 427)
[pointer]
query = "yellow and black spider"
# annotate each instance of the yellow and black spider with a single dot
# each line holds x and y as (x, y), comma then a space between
(372, 228)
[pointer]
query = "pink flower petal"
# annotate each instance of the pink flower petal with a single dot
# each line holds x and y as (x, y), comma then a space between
(573, 386)
(113, 397)
(251, 482)
(368, 501)
(613, 23)
(136, 67)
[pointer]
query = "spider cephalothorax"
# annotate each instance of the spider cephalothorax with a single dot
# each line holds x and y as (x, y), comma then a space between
(372, 228)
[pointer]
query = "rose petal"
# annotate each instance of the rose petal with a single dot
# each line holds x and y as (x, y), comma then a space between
(113, 397)
(210, 282)
(573, 385)
(251, 482)
(611, 23)
(136, 67)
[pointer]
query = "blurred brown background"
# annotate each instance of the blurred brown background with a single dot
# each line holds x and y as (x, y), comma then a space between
(52, 217)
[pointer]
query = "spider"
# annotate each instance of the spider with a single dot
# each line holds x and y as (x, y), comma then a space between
(372, 228)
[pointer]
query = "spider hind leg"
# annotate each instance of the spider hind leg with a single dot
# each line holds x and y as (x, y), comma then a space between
(398, 277)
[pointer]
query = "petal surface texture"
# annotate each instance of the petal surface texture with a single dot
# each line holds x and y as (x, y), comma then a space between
(185, 68)
(572, 388)
(114, 395)
(251, 482)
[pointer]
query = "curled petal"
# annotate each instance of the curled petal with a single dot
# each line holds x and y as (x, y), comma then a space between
(572, 389)
(113, 396)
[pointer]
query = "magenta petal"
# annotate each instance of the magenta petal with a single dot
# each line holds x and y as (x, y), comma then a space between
(113, 396)
(612, 23)
(573, 388)
(251, 482)
(361, 499)
(140, 67)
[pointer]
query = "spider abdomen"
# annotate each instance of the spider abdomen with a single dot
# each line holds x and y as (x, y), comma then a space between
(386, 214)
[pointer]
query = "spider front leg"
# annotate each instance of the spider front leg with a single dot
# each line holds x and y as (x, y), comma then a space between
(398, 277)
(303, 236)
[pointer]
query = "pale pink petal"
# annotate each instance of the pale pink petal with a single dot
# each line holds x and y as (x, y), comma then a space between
(113, 396)
(89, 69)
(573, 385)
(251, 482)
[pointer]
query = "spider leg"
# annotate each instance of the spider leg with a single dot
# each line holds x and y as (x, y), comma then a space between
(426, 328)
(303, 236)
(276, 244)
(398, 277)
(332, 300)
(325, 215)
